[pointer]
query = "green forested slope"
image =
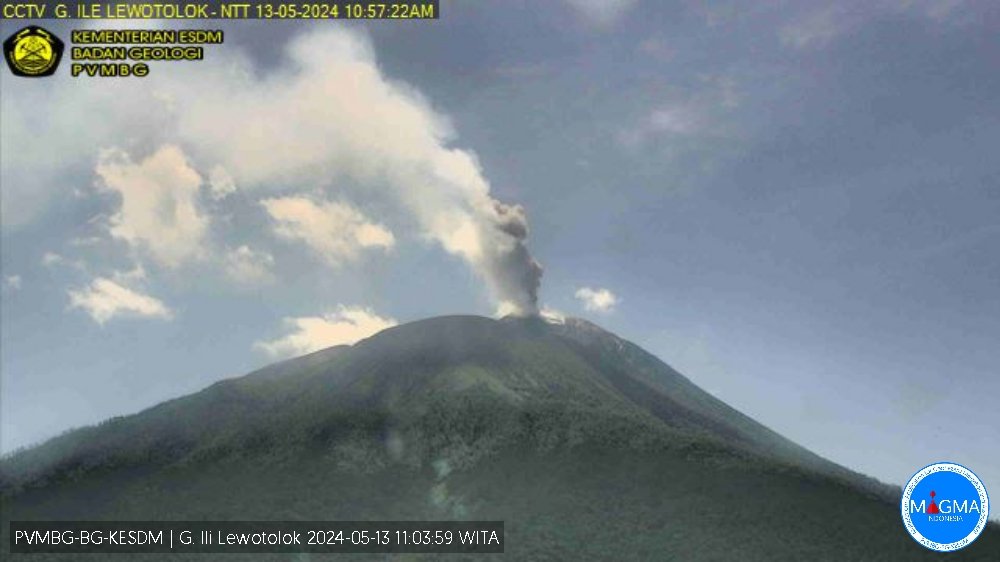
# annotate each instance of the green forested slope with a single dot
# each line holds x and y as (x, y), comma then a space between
(587, 446)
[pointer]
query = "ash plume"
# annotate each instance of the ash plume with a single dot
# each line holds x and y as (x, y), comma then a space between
(513, 273)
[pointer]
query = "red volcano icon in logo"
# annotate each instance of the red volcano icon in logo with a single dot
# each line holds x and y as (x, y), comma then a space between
(932, 508)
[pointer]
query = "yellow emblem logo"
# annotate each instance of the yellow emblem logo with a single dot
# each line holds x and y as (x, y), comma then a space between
(33, 52)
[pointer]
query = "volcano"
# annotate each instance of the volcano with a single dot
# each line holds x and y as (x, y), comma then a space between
(588, 447)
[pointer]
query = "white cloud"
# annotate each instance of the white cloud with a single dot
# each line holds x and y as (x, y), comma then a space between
(678, 120)
(220, 183)
(699, 113)
(681, 119)
(505, 308)
(80, 118)
(816, 28)
(248, 266)
(52, 259)
(12, 282)
(601, 12)
(159, 212)
(137, 273)
(311, 333)
(597, 300)
(326, 116)
(334, 230)
(83, 241)
(552, 316)
(105, 299)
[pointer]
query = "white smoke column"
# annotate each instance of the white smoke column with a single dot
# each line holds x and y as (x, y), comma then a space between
(331, 114)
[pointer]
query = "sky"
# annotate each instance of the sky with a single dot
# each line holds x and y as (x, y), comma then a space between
(797, 205)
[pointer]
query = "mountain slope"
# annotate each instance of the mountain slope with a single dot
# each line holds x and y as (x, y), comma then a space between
(565, 431)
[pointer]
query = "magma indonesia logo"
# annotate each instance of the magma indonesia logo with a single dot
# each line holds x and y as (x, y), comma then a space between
(33, 52)
(945, 506)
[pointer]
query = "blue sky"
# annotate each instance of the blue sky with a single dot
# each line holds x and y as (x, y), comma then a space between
(794, 204)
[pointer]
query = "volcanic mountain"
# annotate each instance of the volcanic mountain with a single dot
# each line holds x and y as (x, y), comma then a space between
(588, 447)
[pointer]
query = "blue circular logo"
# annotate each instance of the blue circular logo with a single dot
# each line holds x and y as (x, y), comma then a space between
(945, 506)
